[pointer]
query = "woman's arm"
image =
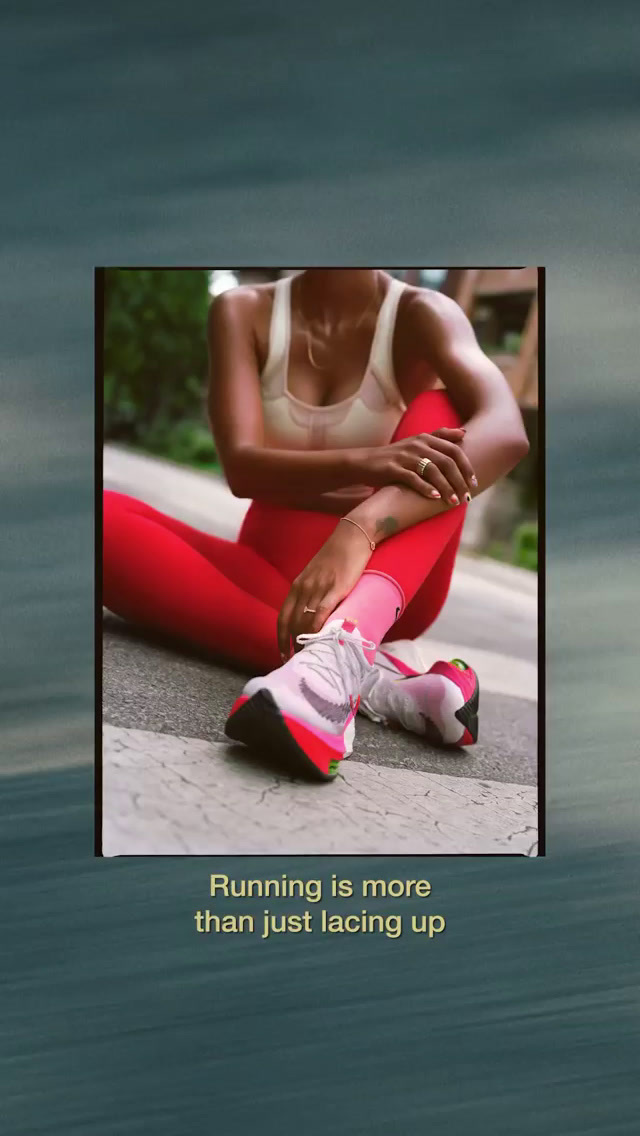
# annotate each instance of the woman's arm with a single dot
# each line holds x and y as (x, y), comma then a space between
(252, 470)
(495, 439)
(304, 478)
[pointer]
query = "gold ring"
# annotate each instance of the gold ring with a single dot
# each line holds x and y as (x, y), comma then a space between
(310, 609)
(422, 465)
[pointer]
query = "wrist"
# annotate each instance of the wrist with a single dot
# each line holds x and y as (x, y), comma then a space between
(352, 540)
(365, 536)
(355, 466)
(379, 518)
(366, 514)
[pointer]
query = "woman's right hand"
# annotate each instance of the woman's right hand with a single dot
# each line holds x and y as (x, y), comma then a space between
(449, 474)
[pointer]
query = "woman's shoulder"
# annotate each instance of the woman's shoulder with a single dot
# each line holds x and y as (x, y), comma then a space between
(247, 306)
(424, 311)
(426, 300)
(426, 320)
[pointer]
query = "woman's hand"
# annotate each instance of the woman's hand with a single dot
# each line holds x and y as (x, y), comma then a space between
(449, 474)
(327, 579)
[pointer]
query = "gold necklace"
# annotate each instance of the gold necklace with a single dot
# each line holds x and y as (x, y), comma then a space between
(310, 353)
(360, 320)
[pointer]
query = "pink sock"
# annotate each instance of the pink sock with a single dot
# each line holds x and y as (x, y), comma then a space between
(374, 605)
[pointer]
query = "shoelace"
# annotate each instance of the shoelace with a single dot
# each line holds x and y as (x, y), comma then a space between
(402, 706)
(388, 700)
(324, 658)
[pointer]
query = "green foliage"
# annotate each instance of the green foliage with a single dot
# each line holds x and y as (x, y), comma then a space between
(155, 361)
(189, 443)
(525, 545)
(522, 550)
(512, 342)
(497, 550)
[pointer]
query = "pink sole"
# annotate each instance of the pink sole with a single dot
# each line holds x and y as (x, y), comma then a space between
(319, 750)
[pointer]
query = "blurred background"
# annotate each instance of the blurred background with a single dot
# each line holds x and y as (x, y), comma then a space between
(177, 134)
(155, 374)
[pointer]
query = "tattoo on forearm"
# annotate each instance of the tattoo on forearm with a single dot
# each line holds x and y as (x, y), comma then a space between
(385, 527)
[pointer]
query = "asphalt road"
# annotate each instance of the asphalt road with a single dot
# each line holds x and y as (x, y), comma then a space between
(154, 686)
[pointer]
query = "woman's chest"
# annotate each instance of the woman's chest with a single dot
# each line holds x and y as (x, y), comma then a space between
(327, 369)
(291, 424)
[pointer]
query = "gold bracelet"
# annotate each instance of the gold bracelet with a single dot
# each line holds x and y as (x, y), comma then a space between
(372, 543)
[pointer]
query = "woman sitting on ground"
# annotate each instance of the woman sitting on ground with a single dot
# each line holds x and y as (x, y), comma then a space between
(324, 413)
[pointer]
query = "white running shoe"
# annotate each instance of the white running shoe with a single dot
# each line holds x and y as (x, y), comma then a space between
(305, 710)
(441, 704)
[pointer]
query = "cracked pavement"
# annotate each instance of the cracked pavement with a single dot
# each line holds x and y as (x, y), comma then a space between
(169, 795)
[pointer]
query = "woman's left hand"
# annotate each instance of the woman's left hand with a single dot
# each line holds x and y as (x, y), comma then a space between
(327, 579)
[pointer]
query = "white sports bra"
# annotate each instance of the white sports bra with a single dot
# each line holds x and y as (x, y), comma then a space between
(366, 418)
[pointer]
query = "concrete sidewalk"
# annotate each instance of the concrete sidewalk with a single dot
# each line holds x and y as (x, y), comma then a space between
(173, 784)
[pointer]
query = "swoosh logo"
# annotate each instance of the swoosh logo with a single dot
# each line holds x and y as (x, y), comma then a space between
(329, 710)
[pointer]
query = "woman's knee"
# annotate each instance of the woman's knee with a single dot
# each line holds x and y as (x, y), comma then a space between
(113, 503)
(429, 411)
(118, 508)
(112, 508)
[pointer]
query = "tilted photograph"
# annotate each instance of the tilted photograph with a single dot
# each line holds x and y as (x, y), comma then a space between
(317, 560)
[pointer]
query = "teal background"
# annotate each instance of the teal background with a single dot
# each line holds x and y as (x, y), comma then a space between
(471, 134)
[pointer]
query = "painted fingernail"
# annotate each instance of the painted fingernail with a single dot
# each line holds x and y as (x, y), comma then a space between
(434, 493)
(474, 481)
(467, 498)
(454, 500)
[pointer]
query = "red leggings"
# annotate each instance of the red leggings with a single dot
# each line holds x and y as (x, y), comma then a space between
(225, 595)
